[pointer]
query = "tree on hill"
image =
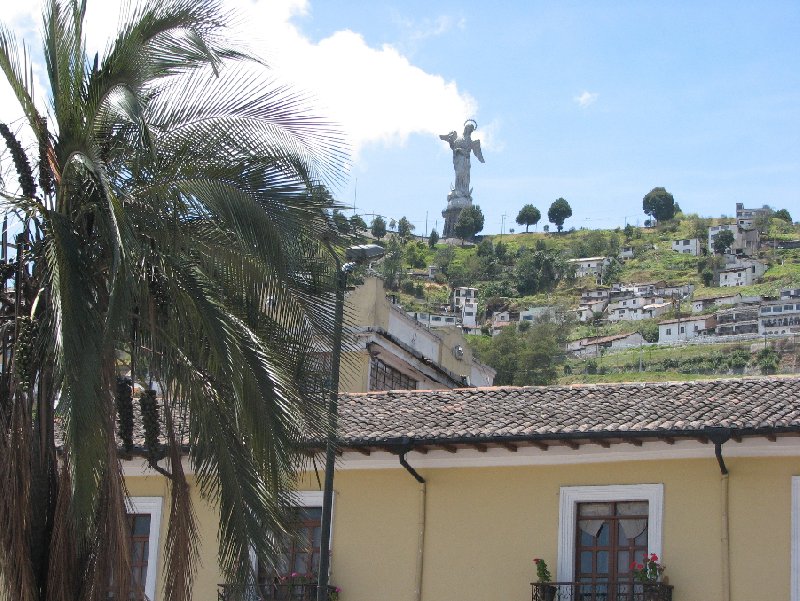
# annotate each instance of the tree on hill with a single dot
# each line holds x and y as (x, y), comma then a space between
(558, 212)
(341, 222)
(404, 228)
(723, 241)
(783, 214)
(416, 254)
(357, 224)
(659, 204)
(469, 223)
(433, 239)
(378, 227)
(539, 270)
(528, 215)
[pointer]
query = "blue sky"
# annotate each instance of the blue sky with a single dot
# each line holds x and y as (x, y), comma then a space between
(594, 101)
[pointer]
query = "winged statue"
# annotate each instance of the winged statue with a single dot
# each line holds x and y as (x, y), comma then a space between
(462, 148)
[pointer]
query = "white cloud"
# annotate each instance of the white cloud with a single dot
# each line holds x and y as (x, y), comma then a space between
(375, 93)
(585, 98)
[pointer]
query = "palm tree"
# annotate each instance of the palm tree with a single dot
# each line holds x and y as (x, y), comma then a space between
(170, 221)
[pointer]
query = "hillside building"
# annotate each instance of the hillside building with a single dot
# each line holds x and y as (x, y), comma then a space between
(593, 346)
(687, 246)
(685, 328)
(745, 241)
(743, 273)
(746, 218)
(781, 316)
(589, 266)
(742, 319)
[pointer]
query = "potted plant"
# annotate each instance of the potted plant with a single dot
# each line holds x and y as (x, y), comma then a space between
(547, 590)
(649, 575)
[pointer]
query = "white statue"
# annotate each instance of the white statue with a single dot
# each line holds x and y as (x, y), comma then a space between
(462, 148)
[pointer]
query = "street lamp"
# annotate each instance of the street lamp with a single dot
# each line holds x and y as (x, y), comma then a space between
(355, 255)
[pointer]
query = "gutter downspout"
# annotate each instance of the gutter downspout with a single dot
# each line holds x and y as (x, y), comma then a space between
(719, 438)
(423, 494)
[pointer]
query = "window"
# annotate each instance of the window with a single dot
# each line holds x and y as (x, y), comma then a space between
(609, 536)
(683, 330)
(669, 331)
(302, 557)
(385, 377)
(144, 517)
(649, 496)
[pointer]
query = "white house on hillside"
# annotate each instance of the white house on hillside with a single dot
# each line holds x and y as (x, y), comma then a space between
(747, 217)
(745, 273)
(685, 328)
(589, 266)
(781, 316)
(687, 246)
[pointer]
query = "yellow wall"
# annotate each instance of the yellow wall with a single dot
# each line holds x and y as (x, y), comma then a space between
(208, 574)
(485, 525)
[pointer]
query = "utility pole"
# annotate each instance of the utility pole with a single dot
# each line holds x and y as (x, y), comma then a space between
(502, 225)
(426, 224)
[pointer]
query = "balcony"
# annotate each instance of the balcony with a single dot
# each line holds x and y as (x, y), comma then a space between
(601, 591)
(272, 592)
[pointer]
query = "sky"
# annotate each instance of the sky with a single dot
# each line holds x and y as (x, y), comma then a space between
(594, 101)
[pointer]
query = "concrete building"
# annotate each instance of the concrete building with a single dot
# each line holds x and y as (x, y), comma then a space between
(746, 218)
(741, 319)
(685, 328)
(701, 304)
(386, 349)
(464, 300)
(781, 316)
(593, 346)
(743, 273)
(435, 320)
(745, 241)
(537, 313)
(635, 308)
(586, 312)
(626, 252)
(589, 266)
(674, 290)
(687, 246)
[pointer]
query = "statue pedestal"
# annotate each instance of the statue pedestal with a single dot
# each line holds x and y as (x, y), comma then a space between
(455, 204)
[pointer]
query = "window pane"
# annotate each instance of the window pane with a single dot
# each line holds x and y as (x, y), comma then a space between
(623, 562)
(604, 537)
(602, 562)
(141, 525)
(595, 509)
(586, 562)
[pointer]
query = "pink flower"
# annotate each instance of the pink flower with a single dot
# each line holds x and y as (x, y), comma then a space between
(338, 590)
(295, 574)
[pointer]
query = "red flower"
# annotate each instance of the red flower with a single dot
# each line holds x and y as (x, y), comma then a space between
(639, 566)
(633, 565)
(653, 557)
(537, 560)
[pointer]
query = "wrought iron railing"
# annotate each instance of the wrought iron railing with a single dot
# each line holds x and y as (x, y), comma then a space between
(272, 592)
(601, 591)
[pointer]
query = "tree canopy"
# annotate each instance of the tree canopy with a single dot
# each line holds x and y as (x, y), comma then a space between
(784, 215)
(559, 212)
(433, 239)
(723, 241)
(469, 223)
(378, 227)
(404, 228)
(659, 204)
(172, 225)
(528, 215)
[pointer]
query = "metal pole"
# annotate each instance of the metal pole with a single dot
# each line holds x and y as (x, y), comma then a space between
(330, 447)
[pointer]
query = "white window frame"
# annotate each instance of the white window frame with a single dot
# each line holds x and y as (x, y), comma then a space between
(795, 548)
(568, 506)
(151, 506)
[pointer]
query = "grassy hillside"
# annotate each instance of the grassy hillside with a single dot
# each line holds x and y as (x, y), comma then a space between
(493, 265)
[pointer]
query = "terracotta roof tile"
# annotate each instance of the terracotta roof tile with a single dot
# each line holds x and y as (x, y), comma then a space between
(748, 405)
